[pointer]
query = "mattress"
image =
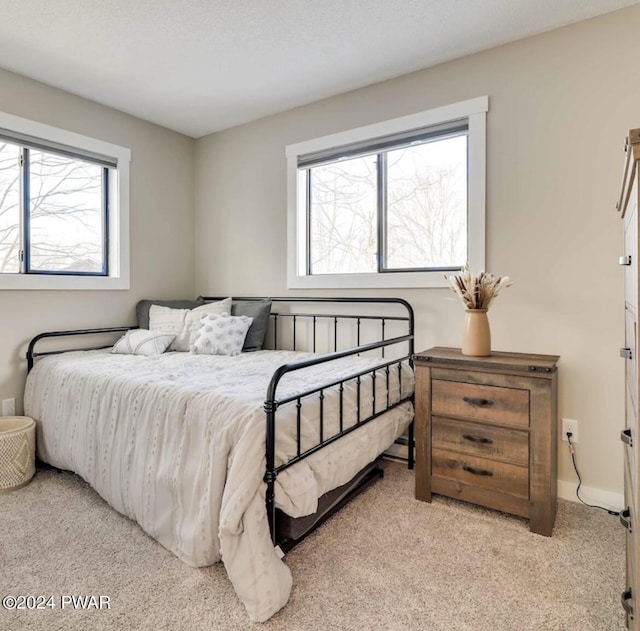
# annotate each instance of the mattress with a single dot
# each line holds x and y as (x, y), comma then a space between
(177, 443)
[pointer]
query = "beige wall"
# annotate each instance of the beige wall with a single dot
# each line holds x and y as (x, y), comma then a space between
(161, 224)
(560, 106)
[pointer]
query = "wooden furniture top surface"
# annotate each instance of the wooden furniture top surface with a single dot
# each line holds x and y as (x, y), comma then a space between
(522, 362)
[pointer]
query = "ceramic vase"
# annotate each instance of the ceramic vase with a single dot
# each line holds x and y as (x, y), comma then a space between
(476, 336)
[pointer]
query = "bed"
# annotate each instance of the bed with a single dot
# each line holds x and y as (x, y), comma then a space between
(233, 458)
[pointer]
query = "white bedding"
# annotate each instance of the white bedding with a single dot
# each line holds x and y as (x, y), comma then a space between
(177, 443)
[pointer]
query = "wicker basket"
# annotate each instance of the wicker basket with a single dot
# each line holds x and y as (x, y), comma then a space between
(17, 451)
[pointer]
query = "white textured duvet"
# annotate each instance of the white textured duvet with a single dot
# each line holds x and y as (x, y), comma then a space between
(177, 443)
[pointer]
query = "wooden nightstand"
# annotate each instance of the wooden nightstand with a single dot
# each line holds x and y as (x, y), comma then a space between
(486, 431)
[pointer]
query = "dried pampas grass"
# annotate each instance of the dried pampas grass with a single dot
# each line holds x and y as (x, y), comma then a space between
(477, 291)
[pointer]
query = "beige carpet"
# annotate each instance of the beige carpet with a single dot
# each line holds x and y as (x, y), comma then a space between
(386, 561)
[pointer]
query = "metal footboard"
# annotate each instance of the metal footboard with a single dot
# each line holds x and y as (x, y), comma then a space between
(272, 402)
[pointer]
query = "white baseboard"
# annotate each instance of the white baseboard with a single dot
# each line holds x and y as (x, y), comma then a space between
(591, 495)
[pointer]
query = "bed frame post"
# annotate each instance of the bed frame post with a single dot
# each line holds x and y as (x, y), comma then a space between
(410, 454)
(271, 473)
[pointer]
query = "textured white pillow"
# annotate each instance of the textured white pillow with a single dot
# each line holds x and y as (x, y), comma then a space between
(142, 342)
(221, 335)
(183, 323)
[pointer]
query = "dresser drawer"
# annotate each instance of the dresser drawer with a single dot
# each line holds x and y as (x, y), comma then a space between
(631, 365)
(485, 441)
(485, 403)
(630, 499)
(631, 473)
(481, 472)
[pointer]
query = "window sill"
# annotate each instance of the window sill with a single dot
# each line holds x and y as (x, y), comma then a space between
(44, 282)
(368, 281)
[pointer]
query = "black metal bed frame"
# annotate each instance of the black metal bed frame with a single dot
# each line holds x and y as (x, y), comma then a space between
(272, 402)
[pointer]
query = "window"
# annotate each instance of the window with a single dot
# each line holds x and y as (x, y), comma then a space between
(389, 205)
(63, 209)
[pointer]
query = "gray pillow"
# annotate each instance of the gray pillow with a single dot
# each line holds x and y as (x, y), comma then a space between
(142, 308)
(259, 310)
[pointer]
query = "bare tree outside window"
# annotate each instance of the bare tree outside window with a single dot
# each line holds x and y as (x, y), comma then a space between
(9, 208)
(65, 210)
(423, 210)
(66, 214)
(343, 217)
(427, 205)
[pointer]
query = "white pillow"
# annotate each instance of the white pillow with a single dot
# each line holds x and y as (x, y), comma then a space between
(183, 323)
(142, 342)
(221, 335)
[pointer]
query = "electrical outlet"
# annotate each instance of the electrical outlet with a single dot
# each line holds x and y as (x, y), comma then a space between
(8, 407)
(569, 425)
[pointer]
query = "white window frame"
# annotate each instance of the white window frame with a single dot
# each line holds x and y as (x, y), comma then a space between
(474, 110)
(118, 254)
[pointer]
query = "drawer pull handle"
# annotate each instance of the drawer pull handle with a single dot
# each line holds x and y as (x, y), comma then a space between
(478, 402)
(477, 439)
(625, 520)
(469, 469)
(625, 437)
(624, 600)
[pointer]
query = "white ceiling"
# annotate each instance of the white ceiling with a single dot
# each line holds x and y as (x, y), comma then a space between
(199, 66)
